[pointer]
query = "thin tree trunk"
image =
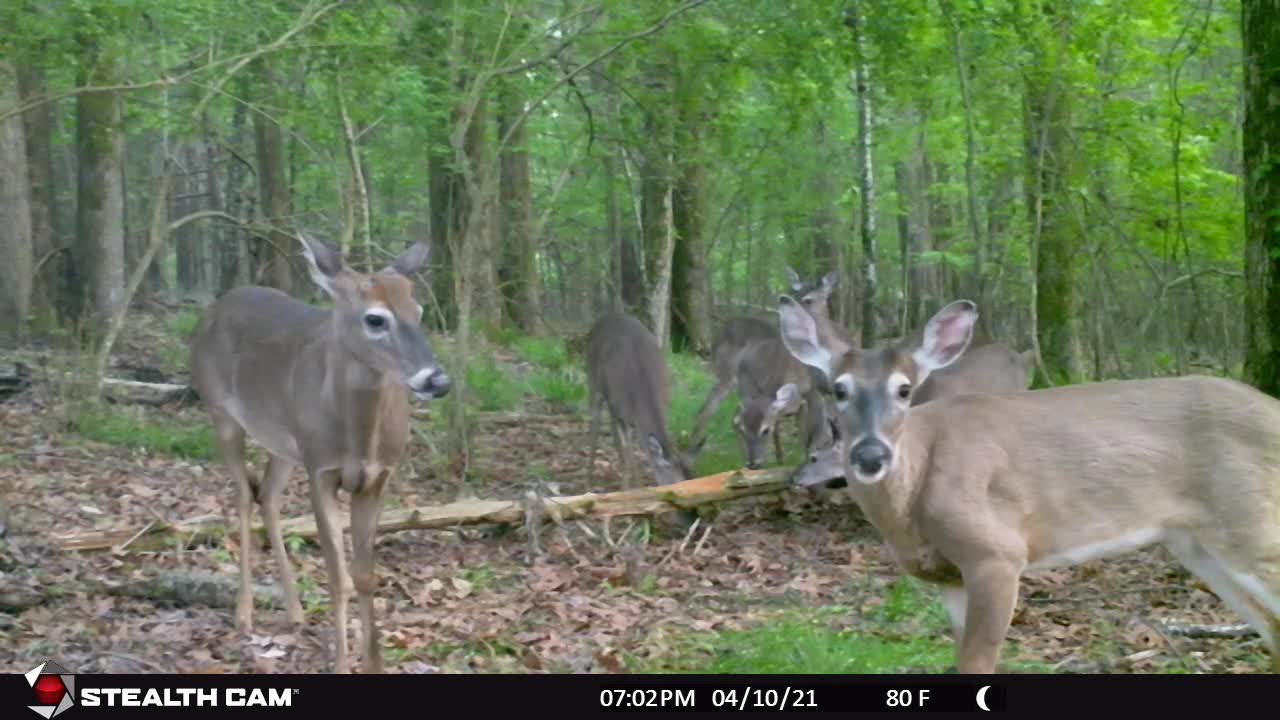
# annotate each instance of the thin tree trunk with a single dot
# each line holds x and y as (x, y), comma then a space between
(826, 251)
(46, 230)
(235, 265)
(1261, 28)
(276, 247)
(1057, 249)
(362, 230)
(690, 286)
(15, 213)
(656, 182)
(866, 178)
(518, 273)
(99, 253)
(977, 282)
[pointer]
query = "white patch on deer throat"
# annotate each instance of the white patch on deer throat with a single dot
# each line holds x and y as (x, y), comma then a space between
(1083, 553)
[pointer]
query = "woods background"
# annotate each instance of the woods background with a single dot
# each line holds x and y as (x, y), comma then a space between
(1099, 177)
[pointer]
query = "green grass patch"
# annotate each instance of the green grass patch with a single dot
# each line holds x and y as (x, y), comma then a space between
(565, 388)
(549, 353)
(491, 387)
(184, 324)
(805, 642)
(128, 428)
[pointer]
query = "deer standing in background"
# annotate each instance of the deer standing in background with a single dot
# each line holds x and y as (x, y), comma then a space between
(748, 354)
(627, 372)
(972, 491)
(327, 390)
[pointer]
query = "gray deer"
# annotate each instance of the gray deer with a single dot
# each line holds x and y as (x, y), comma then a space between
(325, 389)
(627, 372)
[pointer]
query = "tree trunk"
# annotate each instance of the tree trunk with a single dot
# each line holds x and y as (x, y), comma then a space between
(656, 183)
(486, 302)
(518, 273)
(15, 213)
(977, 282)
(273, 267)
(98, 257)
(1261, 30)
(46, 230)
(1057, 249)
(826, 251)
(235, 266)
(690, 286)
(866, 179)
(189, 198)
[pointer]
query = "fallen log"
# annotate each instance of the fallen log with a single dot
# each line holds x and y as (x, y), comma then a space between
(641, 501)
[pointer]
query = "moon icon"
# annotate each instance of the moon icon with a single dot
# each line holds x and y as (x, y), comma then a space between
(982, 697)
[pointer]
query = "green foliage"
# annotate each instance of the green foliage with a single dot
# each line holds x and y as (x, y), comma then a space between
(491, 386)
(565, 389)
(806, 642)
(183, 324)
(127, 427)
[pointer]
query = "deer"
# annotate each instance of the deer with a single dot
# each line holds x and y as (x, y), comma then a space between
(994, 368)
(747, 354)
(973, 491)
(327, 390)
(627, 373)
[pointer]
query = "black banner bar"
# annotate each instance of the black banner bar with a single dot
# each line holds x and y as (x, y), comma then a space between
(60, 693)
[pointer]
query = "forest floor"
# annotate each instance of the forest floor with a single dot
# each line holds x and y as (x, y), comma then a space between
(786, 583)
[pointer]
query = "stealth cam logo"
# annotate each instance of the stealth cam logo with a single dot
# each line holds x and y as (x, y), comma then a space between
(54, 687)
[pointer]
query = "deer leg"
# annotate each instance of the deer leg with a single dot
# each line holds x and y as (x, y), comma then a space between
(366, 506)
(620, 444)
(231, 446)
(595, 403)
(275, 479)
(324, 499)
(991, 593)
(1245, 594)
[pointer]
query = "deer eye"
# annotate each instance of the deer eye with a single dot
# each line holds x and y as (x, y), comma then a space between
(807, 301)
(841, 392)
(764, 431)
(904, 391)
(375, 321)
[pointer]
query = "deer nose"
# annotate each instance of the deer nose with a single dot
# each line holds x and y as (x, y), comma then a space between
(432, 381)
(869, 456)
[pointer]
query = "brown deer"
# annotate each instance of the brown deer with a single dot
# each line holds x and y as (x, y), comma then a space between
(972, 491)
(327, 390)
(627, 372)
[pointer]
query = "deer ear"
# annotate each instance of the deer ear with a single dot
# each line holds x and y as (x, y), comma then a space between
(945, 337)
(800, 335)
(655, 447)
(786, 396)
(831, 280)
(323, 262)
(411, 260)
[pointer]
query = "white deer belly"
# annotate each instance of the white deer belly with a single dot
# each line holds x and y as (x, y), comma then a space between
(1082, 552)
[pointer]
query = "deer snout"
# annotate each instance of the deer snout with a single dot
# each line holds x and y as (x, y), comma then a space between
(430, 381)
(869, 458)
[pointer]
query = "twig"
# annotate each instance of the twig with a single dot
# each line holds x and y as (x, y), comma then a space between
(705, 534)
(136, 535)
(1208, 631)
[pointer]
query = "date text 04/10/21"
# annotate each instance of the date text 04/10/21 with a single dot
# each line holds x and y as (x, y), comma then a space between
(739, 698)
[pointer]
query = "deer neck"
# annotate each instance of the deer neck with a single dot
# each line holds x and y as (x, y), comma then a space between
(892, 506)
(369, 409)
